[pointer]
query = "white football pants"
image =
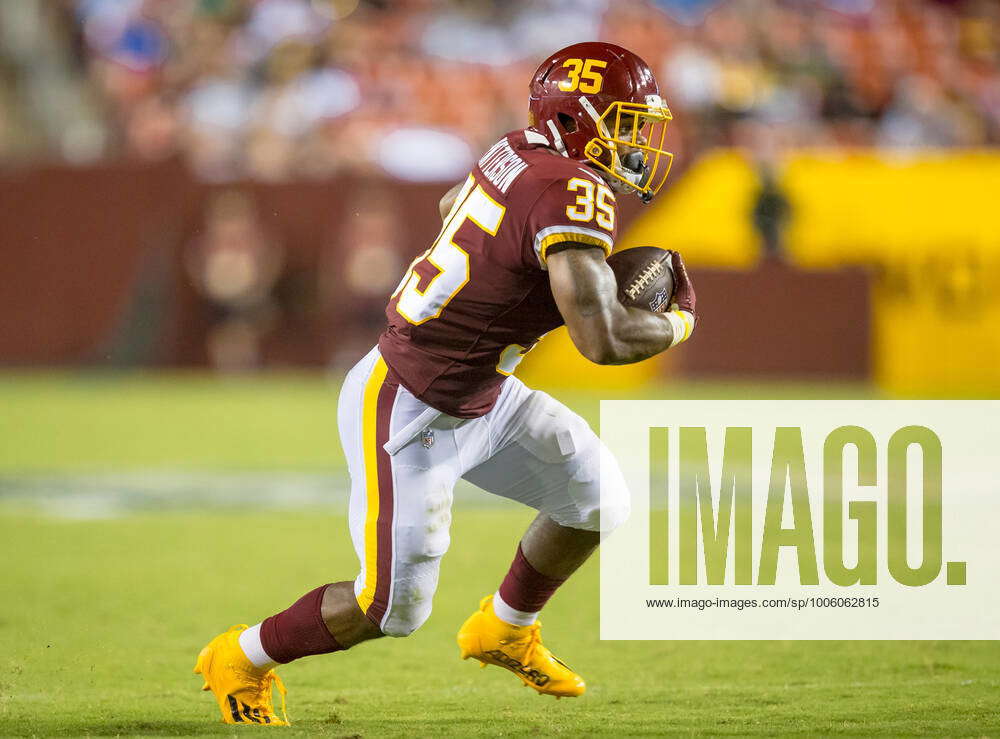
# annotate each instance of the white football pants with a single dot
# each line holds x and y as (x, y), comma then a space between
(404, 459)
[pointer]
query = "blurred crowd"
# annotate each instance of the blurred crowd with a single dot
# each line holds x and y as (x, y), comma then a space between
(277, 90)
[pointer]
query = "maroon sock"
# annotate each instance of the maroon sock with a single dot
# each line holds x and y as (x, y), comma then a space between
(299, 630)
(525, 588)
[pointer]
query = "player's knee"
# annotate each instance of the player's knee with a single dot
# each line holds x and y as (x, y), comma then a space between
(403, 621)
(419, 547)
(398, 629)
(615, 507)
(412, 596)
(601, 497)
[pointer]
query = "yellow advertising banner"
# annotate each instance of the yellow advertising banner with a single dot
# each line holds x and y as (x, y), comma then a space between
(927, 223)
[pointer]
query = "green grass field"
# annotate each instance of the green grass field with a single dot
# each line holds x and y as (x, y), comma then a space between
(102, 611)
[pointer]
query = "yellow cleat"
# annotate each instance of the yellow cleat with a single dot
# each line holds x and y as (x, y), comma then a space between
(518, 649)
(242, 690)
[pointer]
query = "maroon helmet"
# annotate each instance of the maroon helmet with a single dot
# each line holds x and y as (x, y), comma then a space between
(599, 104)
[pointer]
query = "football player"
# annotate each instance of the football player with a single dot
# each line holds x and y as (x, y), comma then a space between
(522, 251)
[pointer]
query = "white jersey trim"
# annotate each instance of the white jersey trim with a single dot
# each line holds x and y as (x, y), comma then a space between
(533, 137)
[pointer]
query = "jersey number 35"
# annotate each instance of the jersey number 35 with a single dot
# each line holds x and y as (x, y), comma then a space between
(419, 305)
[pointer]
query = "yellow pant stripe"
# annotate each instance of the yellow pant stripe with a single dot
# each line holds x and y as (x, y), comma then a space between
(369, 444)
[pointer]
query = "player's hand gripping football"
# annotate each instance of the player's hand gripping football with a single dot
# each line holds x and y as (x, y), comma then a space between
(604, 327)
(682, 311)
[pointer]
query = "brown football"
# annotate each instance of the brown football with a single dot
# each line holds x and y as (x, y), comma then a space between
(645, 277)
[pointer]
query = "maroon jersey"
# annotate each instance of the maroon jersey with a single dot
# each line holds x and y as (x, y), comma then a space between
(473, 304)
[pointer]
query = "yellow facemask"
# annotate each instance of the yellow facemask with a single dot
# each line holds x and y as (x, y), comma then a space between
(629, 131)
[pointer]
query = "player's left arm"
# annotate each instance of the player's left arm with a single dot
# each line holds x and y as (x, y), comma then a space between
(602, 328)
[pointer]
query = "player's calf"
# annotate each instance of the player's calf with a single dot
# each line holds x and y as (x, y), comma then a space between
(298, 631)
(344, 618)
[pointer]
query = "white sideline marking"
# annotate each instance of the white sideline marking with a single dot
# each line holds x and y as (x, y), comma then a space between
(103, 495)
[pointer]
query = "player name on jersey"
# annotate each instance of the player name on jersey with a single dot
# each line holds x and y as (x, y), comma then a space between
(501, 165)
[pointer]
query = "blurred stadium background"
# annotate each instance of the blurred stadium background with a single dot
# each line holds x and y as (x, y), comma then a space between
(237, 184)
(206, 202)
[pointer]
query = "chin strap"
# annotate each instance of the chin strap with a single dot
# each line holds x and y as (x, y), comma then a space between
(556, 138)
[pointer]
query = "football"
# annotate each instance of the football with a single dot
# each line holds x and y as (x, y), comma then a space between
(645, 277)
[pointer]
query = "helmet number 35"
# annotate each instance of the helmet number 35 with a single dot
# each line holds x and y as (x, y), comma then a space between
(420, 304)
(583, 75)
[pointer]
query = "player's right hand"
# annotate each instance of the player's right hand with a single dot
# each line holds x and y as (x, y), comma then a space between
(683, 306)
(684, 298)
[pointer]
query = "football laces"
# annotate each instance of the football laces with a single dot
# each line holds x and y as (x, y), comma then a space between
(644, 279)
